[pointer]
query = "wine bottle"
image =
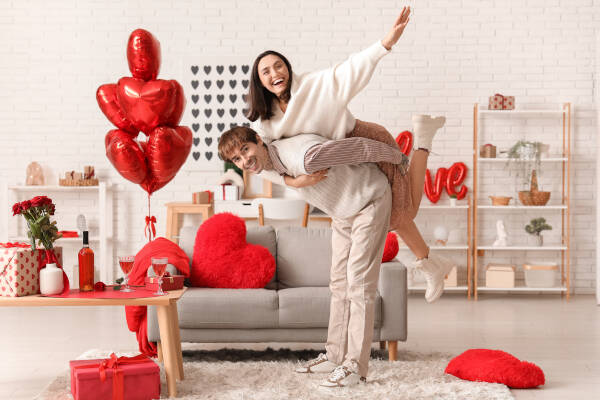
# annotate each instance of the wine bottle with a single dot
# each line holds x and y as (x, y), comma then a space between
(86, 265)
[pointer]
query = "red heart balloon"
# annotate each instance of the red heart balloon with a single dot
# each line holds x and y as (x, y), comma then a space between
(126, 155)
(106, 96)
(405, 141)
(177, 113)
(147, 104)
(143, 55)
(166, 151)
(224, 259)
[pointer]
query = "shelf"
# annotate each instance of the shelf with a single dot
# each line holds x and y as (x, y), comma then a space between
(552, 207)
(437, 247)
(77, 239)
(523, 248)
(444, 207)
(522, 289)
(504, 160)
(521, 111)
(446, 289)
(53, 188)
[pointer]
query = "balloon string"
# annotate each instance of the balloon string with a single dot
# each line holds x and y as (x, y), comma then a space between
(149, 216)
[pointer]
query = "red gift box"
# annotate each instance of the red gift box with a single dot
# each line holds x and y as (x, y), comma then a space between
(131, 378)
(19, 268)
(172, 282)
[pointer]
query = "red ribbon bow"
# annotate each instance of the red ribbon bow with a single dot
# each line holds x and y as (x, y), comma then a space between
(150, 229)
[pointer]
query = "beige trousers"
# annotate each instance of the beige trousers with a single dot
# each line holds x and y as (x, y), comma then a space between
(357, 247)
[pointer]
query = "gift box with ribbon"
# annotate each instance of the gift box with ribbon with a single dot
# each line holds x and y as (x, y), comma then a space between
(205, 197)
(226, 191)
(501, 102)
(19, 268)
(115, 378)
(171, 282)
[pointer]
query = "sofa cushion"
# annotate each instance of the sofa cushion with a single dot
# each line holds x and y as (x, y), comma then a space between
(303, 257)
(228, 308)
(308, 307)
(265, 236)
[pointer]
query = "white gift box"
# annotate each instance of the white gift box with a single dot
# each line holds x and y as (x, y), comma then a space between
(224, 192)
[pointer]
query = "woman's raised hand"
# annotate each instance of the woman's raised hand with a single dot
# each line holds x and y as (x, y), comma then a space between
(394, 34)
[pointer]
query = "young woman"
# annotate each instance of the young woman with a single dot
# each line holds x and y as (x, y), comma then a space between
(283, 104)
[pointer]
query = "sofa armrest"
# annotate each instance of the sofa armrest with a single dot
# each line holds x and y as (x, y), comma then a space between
(393, 290)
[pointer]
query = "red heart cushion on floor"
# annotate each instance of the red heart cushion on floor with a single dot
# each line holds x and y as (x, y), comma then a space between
(391, 247)
(496, 366)
(223, 258)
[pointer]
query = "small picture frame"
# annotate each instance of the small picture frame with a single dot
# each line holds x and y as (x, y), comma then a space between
(251, 185)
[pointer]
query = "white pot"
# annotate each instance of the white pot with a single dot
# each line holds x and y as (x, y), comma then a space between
(51, 280)
(452, 201)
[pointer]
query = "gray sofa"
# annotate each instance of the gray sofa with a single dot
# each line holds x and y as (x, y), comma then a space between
(293, 307)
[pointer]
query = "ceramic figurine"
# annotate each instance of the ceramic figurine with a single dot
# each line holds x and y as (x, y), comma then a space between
(35, 175)
(501, 235)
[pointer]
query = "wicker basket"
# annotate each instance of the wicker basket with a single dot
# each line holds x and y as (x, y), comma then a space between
(487, 151)
(533, 197)
(500, 200)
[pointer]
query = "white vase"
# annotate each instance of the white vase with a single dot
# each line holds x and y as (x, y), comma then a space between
(51, 280)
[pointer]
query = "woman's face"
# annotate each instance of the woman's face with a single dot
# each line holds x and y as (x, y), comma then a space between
(273, 74)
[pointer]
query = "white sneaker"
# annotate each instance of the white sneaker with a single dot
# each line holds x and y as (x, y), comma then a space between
(434, 268)
(424, 128)
(317, 365)
(342, 376)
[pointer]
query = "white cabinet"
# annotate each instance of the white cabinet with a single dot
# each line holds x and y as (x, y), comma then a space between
(95, 202)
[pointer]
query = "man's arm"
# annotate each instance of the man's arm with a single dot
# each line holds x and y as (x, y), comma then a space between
(354, 150)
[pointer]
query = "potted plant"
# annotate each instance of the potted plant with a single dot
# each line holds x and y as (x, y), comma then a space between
(535, 227)
(453, 200)
(524, 158)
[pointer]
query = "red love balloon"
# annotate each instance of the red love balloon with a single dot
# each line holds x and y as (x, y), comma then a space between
(405, 142)
(106, 96)
(166, 151)
(173, 119)
(126, 156)
(143, 55)
(434, 193)
(456, 175)
(147, 104)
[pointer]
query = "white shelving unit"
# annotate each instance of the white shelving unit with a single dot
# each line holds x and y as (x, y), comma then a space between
(101, 244)
(564, 207)
(467, 247)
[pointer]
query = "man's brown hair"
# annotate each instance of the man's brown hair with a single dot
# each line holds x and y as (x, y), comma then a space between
(234, 139)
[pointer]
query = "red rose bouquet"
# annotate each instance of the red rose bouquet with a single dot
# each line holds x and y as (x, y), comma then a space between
(37, 212)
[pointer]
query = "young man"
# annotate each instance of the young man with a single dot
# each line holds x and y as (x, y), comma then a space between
(358, 199)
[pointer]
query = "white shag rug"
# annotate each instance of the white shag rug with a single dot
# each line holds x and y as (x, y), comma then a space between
(269, 375)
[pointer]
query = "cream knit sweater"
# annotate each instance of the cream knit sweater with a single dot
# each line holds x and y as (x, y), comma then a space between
(319, 100)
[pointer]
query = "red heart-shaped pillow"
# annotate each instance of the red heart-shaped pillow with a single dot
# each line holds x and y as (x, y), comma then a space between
(147, 104)
(223, 258)
(496, 366)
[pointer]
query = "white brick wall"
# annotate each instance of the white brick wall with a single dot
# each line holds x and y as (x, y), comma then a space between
(452, 55)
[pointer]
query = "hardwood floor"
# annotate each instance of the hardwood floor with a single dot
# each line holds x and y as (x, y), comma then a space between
(562, 337)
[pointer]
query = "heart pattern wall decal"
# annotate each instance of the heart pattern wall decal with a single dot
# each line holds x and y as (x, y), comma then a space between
(219, 94)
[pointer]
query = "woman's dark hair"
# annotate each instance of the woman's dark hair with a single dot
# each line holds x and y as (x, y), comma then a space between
(260, 99)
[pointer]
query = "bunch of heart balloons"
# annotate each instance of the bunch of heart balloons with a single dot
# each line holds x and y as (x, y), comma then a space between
(152, 106)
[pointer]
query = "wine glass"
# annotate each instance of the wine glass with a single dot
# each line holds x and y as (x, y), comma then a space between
(126, 263)
(159, 265)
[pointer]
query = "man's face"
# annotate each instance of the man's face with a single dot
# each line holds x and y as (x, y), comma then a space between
(251, 157)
